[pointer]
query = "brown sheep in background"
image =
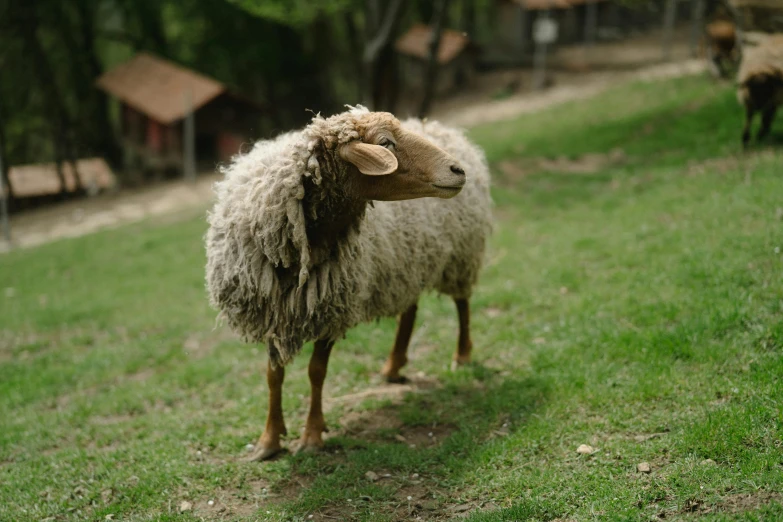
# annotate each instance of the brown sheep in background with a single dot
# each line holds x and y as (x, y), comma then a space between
(760, 84)
(722, 48)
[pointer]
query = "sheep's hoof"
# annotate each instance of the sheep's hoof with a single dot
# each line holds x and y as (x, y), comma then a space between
(261, 453)
(459, 361)
(396, 379)
(309, 445)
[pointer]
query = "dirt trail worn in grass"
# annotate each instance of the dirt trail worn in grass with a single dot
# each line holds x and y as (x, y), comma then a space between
(633, 306)
(86, 216)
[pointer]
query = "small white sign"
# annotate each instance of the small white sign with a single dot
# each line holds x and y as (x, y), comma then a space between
(545, 31)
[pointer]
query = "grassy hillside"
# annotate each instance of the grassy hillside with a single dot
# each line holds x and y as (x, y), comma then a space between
(631, 302)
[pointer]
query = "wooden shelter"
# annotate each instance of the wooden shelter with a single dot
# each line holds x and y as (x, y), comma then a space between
(41, 180)
(456, 58)
(157, 95)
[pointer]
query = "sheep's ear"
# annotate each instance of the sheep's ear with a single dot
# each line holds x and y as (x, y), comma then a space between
(372, 160)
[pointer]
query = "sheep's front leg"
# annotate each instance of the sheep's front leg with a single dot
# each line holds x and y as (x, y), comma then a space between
(399, 354)
(464, 344)
(268, 444)
(311, 438)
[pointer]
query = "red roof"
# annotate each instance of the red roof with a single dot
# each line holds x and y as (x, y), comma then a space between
(416, 42)
(159, 88)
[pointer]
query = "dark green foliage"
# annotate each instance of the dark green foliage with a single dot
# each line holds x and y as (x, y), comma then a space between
(51, 52)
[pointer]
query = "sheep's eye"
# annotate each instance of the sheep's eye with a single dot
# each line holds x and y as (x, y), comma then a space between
(386, 142)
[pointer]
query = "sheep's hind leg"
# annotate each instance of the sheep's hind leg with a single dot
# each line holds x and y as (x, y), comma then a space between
(767, 117)
(268, 444)
(315, 426)
(749, 113)
(464, 344)
(399, 354)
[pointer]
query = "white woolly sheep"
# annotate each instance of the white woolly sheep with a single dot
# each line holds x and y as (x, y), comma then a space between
(321, 229)
(760, 83)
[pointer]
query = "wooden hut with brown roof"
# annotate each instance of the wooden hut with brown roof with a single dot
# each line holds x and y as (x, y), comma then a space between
(456, 58)
(41, 180)
(156, 95)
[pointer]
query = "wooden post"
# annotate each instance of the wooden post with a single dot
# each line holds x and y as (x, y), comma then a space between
(4, 205)
(189, 137)
(669, 15)
(697, 24)
(542, 41)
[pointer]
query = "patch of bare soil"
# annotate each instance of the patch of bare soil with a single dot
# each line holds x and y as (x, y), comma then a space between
(229, 504)
(200, 344)
(730, 163)
(384, 425)
(514, 170)
(568, 87)
(627, 61)
(393, 392)
(737, 503)
(749, 501)
(85, 216)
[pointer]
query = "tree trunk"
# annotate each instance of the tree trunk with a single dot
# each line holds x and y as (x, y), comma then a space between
(105, 138)
(669, 19)
(148, 14)
(381, 26)
(697, 25)
(4, 164)
(28, 25)
(469, 17)
(355, 48)
(325, 53)
(436, 26)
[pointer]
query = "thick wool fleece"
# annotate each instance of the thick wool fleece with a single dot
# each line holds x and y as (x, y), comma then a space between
(273, 286)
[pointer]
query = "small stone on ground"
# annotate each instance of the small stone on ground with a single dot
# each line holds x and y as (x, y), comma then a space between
(644, 467)
(584, 449)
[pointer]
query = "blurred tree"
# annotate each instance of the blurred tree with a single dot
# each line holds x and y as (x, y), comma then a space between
(381, 82)
(79, 37)
(438, 19)
(27, 24)
(468, 22)
(3, 155)
(291, 55)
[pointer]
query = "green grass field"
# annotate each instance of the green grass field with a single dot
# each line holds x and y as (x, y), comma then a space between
(634, 305)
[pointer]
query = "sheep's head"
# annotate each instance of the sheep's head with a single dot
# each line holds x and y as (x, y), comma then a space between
(393, 164)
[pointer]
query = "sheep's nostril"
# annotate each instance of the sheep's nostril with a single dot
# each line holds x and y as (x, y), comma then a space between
(456, 170)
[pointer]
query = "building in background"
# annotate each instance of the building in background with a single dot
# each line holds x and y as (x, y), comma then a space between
(40, 183)
(155, 97)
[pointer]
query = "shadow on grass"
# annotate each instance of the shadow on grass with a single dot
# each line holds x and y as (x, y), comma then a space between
(773, 140)
(400, 461)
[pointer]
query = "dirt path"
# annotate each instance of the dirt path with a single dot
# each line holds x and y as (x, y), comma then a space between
(580, 88)
(85, 216)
